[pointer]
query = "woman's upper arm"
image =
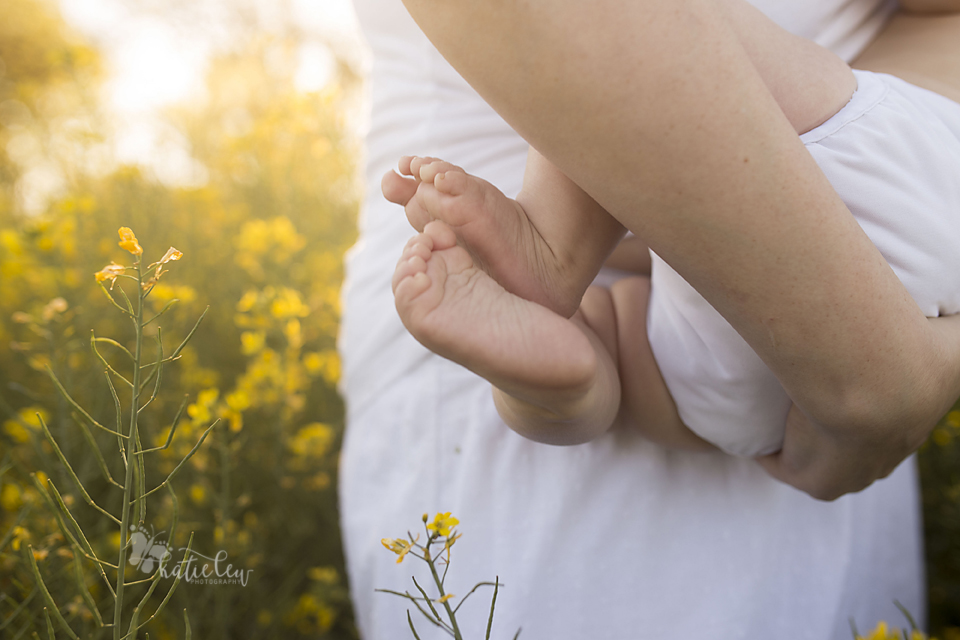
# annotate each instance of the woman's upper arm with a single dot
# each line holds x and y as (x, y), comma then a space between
(654, 110)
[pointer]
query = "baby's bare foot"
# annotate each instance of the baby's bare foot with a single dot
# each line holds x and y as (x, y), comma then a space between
(493, 228)
(458, 311)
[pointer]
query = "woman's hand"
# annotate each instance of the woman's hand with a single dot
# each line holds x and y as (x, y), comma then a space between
(828, 461)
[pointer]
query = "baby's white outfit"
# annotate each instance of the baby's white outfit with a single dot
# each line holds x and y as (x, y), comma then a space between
(893, 155)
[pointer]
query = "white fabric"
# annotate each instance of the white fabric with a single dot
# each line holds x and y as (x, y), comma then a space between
(893, 154)
(616, 539)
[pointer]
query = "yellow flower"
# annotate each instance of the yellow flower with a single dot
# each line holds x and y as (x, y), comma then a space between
(19, 534)
(445, 598)
(326, 575)
(170, 256)
(450, 541)
(128, 241)
(399, 546)
(110, 272)
(313, 440)
(881, 632)
(252, 341)
(942, 436)
(198, 494)
(11, 498)
(442, 523)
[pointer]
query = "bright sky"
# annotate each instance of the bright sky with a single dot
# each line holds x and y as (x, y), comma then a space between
(157, 58)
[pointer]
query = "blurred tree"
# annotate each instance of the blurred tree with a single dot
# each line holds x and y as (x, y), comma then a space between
(263, 239)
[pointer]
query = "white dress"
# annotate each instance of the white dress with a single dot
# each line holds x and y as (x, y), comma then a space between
(615, 539)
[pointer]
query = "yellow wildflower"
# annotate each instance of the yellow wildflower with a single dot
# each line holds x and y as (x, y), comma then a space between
(942, 436)
(170, 256)
(313, 440)
(445, 598)
(252, 341)
(110, 272)
(19, 535)
(11, 498)
(399, 546)
(326, 575)
(198, 493)
(443, 523)
(55, 306)
(128, 241)
(450, 541)
(881, 632)
(953, 419)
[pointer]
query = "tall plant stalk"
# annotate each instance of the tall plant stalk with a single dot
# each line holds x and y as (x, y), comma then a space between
(145, 377)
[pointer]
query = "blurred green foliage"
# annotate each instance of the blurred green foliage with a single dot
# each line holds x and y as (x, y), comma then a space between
(263, 241)
(940, 479)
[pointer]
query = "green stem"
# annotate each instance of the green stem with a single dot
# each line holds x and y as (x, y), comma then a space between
(131, 440)
(436, 578)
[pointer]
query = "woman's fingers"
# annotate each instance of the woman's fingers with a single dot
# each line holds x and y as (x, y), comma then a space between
(825, 467)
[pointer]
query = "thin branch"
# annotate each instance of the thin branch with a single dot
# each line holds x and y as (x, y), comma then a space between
(106, 364)
(116, 344)
(76, 406)
(50, 633)
(435, 622)
(475, 587)
(412, 628)
(190, 335)
(430, 604)
(72, 473)
(493, 604)
(132, 313)
(88, 436)
(89, 548)
(19, 609)
(158, 369)
(84, 593)
(116, 402)
(176, 581)
(182, 462)
(162, 311)
(46, 593)
(114, 301)
(173, 428)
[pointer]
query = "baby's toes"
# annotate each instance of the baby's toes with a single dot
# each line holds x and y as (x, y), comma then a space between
(408, 294)
(397, 189)
(440, 234)
(454, 183)
(411, 165)
(430, 170)
(406, 269)
(419, 245)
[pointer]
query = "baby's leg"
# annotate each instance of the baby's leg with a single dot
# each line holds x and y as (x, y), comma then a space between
(646, 401)
(554, 395)
(546, 246)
